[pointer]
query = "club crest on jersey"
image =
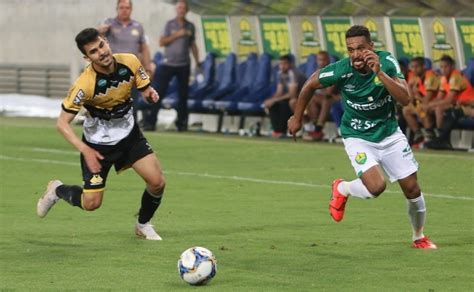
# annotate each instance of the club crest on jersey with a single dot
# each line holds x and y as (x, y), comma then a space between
(122, 72)
(102, 82)
(361, 158)
(377, 81)
(79, 96)
(96, 180)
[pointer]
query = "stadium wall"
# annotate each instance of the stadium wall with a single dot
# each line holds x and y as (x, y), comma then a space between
(42, 32)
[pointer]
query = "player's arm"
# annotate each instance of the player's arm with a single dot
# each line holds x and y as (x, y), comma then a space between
(397, 88)
(150, 94)
(294, 123)
(91, 156)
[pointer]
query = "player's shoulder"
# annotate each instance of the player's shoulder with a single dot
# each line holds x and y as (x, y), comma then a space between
(86, 80)
(385, 56)
(337, 68)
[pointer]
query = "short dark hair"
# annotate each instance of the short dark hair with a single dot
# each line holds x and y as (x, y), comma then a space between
(86, 36)
(325, 53)
(358, 30)
(447, 59)
(419, 60)
(286, 57)
(129, 1)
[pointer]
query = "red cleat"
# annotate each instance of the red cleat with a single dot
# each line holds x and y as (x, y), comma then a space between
(337, 203)
(424, 243)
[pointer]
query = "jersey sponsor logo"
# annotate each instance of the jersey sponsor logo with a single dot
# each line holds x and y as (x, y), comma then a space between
(348, 75)
(349, 87)
(326, 74)
(369, 106)
(142, 73)
(96, 180)
(102, 82)
(360, 158)
(122, 72)
(358, 125)
(78, 98)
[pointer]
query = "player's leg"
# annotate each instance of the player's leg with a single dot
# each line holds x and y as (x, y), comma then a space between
(149, 169)
(416, 211)
(87, 198)
(400, 165)
(371, 183)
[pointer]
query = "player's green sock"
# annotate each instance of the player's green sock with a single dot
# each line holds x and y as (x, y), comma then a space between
(149, 205)
(70, 194)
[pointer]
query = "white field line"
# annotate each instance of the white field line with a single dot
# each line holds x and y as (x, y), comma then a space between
(235, 178)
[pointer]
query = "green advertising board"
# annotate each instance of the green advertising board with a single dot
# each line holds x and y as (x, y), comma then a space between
(466, 35)
(334, 30)
(407, 37)
(216, 36)
(275, 36)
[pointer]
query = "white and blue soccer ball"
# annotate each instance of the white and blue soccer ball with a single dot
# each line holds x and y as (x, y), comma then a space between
(197, 265)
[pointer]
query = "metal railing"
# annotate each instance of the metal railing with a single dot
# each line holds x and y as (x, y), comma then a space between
(44, 80)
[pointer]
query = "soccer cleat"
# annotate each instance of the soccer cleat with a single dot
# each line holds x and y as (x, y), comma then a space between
(337, 203)
(48, 199)
(424, 243)
(146, 231)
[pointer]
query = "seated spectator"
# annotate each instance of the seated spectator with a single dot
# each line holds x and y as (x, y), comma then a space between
(424, 88)
(320, 105)
(455, 91)
(459, 116)
(290, 82)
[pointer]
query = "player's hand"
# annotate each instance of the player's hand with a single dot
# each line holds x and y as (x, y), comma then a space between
(150, 95)
(372, 60)
(92, 157)
(294, 125)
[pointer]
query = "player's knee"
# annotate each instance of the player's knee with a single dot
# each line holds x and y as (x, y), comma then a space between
(377, 188)
(157, 184)
(91, 204)
(413, 192)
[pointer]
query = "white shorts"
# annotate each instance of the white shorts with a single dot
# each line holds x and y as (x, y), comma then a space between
(392, 153)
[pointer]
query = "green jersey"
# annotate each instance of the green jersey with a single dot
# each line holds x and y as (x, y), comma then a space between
(369, 109)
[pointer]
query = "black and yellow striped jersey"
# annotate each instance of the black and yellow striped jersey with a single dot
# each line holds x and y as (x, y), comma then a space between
(107, 96)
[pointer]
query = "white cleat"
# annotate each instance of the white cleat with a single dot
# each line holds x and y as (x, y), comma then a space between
(146, 231)
(48, 199)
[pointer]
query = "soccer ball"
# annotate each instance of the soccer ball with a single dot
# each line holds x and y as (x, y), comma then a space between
(197, 265)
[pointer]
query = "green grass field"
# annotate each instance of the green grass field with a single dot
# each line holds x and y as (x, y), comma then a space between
(259, 205)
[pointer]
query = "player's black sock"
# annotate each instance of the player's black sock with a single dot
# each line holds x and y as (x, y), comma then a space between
(149, 205)
(70, 194)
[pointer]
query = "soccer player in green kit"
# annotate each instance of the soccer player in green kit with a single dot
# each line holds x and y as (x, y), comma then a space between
(370, 83)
